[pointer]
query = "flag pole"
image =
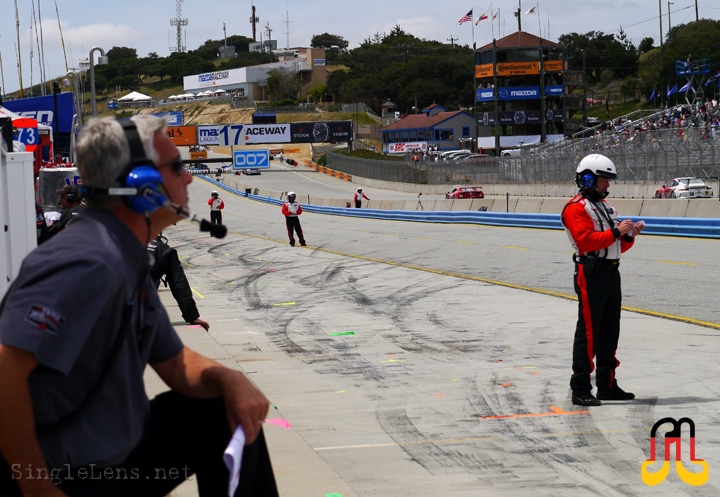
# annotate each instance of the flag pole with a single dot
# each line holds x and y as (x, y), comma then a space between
(538, 13)
(472, 21)
(492, 21)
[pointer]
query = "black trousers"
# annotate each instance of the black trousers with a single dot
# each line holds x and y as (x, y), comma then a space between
(185, 438)
(358, 204)
(293, 223)
(216, 217)
(598, 326)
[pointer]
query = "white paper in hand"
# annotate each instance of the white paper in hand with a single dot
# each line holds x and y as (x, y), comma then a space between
(233, 459)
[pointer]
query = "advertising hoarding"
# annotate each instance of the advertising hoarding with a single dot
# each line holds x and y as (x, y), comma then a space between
(402, 147)
(266, 133)
(519, 117)
(517, 68)
(321, 132)
(42, 109)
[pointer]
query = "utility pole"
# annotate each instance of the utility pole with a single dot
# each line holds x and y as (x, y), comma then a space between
(452, 42)
(669, 20)
(697, 14)
(254, 20)
(660, 8)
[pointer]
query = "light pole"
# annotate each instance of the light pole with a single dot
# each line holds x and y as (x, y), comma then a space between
(102, 60)
(76, 95)
(669, 21)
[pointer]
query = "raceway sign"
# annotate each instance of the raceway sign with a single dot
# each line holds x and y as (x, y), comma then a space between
(266, 133)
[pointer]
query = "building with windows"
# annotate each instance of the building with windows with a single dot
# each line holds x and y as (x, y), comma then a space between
(435, 127)
(251, 81)
(525, 92)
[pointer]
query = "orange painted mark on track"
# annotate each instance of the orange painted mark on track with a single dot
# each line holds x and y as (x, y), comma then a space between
(556, 411)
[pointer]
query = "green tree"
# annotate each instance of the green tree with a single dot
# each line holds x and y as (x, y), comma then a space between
(318, 92)
(646, 45)
(326, 40)
(602, 51)
(283, 83)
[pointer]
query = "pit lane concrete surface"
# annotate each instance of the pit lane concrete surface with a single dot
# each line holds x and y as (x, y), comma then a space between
(403, 370)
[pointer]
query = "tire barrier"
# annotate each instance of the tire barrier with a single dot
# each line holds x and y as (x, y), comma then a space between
(664, 226)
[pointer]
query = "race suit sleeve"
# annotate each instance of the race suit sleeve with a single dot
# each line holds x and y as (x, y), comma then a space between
(179, 286)
(582, 230)
(285, 210)
(210, 202)
(299, 211)
(222, 205)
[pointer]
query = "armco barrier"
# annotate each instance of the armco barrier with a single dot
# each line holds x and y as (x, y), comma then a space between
(668, 226)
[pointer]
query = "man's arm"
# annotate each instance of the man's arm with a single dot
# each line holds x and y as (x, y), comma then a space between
(18, 441)
(193, 375)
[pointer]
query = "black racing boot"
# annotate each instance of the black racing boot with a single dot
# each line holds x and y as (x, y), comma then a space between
(614, 393)
(585, 399)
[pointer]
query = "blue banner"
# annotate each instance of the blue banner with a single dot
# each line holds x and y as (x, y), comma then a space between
(42, 109)
(519, 93)
(174, 118)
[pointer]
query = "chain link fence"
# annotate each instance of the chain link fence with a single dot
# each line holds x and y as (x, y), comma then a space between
(649, 156)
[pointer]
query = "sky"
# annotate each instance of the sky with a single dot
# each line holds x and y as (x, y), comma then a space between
(145, 24)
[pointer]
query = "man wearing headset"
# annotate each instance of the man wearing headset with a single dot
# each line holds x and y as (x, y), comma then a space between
(291, 210)
(358, 197)
(216, 206)
(598, 239)
(71, 206)
(84, 427)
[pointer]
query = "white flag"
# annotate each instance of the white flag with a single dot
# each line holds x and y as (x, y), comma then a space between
(531, 11)
(482, 17)
(496, 14)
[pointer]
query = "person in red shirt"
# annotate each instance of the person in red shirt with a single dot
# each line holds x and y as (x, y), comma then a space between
(598, 238)
(291, 210)
(357, 198)
(216, 206)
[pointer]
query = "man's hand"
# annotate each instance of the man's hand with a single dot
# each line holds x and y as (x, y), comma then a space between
(625, 227)
(638, 227)
(245, 405)
(202, 323)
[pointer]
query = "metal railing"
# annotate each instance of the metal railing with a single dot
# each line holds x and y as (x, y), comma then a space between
(638, 156)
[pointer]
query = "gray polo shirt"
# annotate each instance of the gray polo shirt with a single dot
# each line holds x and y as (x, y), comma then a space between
(66, 308)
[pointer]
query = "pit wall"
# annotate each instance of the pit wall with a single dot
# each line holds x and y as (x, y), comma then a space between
(700, 208)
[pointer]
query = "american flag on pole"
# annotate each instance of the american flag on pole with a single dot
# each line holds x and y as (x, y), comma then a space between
(466, 18)
(483, 16)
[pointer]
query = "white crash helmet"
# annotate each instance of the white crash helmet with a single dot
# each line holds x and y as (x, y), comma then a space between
(359, 189)
(599, 165)
(214, 193)
(291, 194)
(590, 168)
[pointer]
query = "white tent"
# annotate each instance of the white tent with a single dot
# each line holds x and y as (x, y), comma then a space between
(132, 96)
(219, 91)
(142, 98)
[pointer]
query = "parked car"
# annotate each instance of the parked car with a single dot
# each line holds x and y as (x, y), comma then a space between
(684, 188)
(462, 154)
(477, 156)
(465, 192)
(519, 149)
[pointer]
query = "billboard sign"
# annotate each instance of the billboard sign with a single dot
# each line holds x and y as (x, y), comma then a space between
(42, 109)
(251, 159)
(519, 93)
(519, 117)
(224, 135)
(402, 147)
(517, 68)
(174, 118)
(182, 135)
(485, 95)
(217, 78)
(321, 132)
(266, 133)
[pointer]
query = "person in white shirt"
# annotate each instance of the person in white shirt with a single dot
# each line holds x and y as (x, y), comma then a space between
(216, 206)
(291, 210)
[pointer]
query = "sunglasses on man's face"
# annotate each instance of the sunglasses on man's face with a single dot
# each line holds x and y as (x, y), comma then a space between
(177, 166)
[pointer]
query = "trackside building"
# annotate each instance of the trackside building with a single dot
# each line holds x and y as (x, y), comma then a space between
(251, 81)
(435, 127)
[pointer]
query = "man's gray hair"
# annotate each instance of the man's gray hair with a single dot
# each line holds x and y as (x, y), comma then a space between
(103, 153)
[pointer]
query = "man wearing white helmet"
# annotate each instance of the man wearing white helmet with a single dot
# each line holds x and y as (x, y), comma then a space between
(357, 198)
(598, 238)
(216, 206)
(291, 210)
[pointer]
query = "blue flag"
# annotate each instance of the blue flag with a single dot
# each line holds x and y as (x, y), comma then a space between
(652, 95)
(672, 90)
(685, 88)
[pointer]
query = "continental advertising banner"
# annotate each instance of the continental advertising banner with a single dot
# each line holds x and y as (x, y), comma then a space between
(321, 132)
(517, 68)
(519, 117)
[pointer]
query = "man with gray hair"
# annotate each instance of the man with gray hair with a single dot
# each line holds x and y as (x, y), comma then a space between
(74, 415)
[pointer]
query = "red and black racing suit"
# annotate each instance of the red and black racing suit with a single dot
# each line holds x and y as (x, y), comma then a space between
(591, 224)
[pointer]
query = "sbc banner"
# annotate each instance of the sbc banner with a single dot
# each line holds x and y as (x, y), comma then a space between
(321, 132)
(402, 147)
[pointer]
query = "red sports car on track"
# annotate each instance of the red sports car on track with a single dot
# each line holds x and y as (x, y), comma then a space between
(465, 192)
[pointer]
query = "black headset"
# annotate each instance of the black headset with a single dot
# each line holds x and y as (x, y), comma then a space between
(141, 174)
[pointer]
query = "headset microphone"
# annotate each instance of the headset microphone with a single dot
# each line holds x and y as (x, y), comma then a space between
(217, 230)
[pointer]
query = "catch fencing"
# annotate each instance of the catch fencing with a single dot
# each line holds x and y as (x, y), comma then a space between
(649, 156)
